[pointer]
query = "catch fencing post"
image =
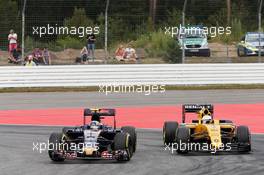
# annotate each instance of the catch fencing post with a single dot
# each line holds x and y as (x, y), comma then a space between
(23, 29)
(106, 30)
(183, 26)
(259, 30)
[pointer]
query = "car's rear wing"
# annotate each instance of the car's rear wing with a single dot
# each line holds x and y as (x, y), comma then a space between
(194, 108)
(100, 112)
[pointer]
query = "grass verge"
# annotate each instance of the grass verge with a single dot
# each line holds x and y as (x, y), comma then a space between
(94, 89)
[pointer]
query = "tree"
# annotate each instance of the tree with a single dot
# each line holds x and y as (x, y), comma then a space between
(9, 19)
(228, 6)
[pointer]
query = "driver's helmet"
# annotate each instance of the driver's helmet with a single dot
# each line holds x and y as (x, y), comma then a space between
(206, 119)
(95, 125)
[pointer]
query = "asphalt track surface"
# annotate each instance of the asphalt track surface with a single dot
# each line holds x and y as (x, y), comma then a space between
(18, 158)
(96, 99)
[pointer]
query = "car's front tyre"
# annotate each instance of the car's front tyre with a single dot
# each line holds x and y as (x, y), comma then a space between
(132, 132)
(55, 141)
(183, 139)
(123, 142)
(243, 138)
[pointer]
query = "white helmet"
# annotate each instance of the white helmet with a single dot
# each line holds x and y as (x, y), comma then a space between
(206, 118)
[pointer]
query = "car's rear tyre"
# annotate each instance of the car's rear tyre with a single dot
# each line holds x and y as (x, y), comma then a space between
(169, 132)
(133, 135)
(54, 147)
(183, 139)
(244, 138)
(122, 141)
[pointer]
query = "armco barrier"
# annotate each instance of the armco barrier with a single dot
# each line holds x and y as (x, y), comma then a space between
(95, 75)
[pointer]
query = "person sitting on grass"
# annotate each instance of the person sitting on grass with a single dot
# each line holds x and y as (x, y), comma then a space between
(46, 56)
(130, 53)
(15, 56)
(120, 53)
(29, 61)
(84, 54)
(11, 57)
(38, 56)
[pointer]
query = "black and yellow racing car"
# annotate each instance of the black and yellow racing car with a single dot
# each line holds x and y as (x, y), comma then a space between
(205, 133)
(94, 140)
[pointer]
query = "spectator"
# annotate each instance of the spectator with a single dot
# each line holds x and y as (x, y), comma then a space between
(46, 56)
(84, 54)
(15, 56)
(130, 53)
(30, 61)
(120, 53)
(11, 57)
(38, 56)
(91, 44)
(12, 38)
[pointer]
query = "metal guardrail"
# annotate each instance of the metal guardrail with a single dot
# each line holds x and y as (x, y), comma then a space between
(163, 74)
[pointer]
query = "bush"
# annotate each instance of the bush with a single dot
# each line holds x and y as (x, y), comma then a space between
(31, 44)
(70, 42)
(236, 30)
(173, 52)
(157, 44)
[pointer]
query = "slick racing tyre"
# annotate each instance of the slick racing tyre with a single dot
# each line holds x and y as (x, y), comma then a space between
(133, 135)
(54, 148)
(169, 132)
(123, 142)
(243, 138)
(183, 138)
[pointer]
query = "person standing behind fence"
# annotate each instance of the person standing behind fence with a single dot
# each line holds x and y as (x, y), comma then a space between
(91, 44)
(12, 38)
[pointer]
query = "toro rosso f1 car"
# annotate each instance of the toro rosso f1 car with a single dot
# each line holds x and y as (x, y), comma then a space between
(220, 135)
(94, 140)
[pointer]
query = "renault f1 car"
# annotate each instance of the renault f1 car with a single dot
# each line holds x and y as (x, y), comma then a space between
(251, 44)
(220, 135)
(94, 140)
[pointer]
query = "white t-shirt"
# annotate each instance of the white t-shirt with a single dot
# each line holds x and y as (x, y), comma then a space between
(129, 52)
(12, 38)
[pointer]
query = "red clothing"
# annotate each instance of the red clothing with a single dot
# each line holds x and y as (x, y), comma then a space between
(120, 52)
(12, 46)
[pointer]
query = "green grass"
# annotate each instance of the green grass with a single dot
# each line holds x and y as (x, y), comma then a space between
(94, 89)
